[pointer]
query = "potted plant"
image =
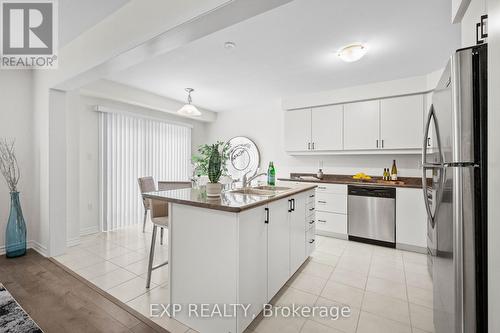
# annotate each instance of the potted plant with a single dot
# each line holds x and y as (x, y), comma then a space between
(212, 163)
(15, 236)
(202, 160)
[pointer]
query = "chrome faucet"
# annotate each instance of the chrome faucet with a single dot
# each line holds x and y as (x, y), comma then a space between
(247, 181)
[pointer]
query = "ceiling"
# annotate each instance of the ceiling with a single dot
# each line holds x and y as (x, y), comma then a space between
(77, 16)
(291, 50)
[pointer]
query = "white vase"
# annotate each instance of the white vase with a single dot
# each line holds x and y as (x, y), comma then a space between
(214, 189)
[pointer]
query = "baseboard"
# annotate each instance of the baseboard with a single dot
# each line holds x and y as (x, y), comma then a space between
(89, 230)
(331, 234)
(411, 248)
(38, 248)
(31, 245)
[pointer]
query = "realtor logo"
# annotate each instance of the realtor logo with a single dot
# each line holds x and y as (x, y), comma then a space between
(28, 34)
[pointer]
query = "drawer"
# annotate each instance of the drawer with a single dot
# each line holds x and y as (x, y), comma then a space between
(310, 208)
(331, 222)
(311, 197)
(310, 221)
(332, 203)
(310, 241)
(332, 188)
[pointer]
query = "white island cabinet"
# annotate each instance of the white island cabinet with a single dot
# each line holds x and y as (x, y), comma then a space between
(239, 249)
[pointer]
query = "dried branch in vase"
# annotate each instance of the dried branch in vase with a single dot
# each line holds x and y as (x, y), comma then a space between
(8, 164)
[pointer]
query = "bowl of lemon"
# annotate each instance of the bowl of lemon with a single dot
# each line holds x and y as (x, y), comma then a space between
(361, 176)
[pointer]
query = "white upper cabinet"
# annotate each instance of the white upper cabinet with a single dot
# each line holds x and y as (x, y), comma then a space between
(361, 125)
(298, 130)
(327, 128)
(401, 124)
(393, 124)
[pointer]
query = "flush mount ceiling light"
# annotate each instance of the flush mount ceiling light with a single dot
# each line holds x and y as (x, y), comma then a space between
(352, 52)
(189, 109)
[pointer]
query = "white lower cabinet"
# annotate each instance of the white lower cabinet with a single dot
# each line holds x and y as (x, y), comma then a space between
(411, 219)
(252, 268)
(332, 222)
(278, 246)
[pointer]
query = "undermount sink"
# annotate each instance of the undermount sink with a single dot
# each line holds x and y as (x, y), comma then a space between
(272, 188)
(265, 191)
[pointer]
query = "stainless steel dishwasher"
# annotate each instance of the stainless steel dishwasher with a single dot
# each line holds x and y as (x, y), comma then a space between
(372, 214)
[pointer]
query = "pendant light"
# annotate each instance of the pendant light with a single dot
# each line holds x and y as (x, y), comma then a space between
(189, 109)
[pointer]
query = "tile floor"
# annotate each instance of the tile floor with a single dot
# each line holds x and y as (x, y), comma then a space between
(387, 290)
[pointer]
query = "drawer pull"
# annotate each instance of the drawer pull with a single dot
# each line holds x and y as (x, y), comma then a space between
(311, 209)
(312, 241)
(311, 196)
(321, 202)
(321, 188)
(322, 221)
(312, 222)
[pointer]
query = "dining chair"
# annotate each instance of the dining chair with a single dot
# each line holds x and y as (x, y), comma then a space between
(171, 185)
(146, 184)
(159, 217)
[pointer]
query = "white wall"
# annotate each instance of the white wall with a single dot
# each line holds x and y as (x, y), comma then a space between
(471, 17)
(16, 122)
(266, 127)
(83, 157)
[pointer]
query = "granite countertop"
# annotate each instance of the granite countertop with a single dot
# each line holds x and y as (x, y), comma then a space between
(228, 201)
(407, 182)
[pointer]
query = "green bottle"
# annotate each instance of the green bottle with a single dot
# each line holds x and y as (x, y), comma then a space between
(271, 175)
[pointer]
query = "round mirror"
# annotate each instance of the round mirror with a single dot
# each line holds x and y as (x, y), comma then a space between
(244, 157)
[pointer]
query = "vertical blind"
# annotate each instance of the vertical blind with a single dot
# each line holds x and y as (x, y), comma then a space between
(133, 147)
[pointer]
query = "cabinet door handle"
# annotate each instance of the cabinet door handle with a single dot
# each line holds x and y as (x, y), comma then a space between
(267, 215)
(308, 146)
(428, 142)
(293, 205)
(321, 202)
(313, 146)
(312, 222)
(289, 206)
(377, 143)
(322, 221)
(311, 196)
(321, 188)
(312, 241)
(311, 209)
(382, 143)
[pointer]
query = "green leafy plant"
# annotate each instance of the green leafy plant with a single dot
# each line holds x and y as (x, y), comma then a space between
(215, 165)
(201, 161)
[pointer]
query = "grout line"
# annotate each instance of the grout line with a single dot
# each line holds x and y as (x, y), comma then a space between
(407, 295)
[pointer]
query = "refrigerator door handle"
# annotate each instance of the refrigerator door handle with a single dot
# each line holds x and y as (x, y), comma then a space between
(431, 117)
(426, 197)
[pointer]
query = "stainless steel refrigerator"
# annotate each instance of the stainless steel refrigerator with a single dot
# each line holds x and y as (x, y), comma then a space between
(454, 162)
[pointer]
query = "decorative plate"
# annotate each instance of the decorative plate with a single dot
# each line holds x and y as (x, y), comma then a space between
(244, 157)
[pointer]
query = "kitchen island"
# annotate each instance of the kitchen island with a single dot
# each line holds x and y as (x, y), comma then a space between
(230, 255)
